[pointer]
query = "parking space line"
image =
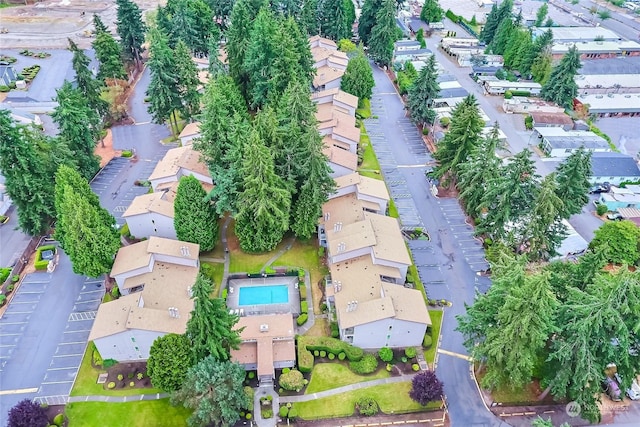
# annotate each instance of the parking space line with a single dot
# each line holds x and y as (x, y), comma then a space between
(74, 332)
(7, 313)
(57, 382)
(13, 323)
(8, 335)
(21, 292)
(18, 391)
(62, 369)
(69, 355)
(70, 343)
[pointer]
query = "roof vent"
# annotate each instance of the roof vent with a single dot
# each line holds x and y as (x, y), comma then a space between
(173, 313)
(184, 250)
(264, 327)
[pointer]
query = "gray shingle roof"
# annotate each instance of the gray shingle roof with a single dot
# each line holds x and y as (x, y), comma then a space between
(614, 164)
(626, 65)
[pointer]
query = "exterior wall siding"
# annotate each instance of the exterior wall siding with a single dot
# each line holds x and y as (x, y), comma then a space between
(151, 224)
(389, 333)
(130, 345)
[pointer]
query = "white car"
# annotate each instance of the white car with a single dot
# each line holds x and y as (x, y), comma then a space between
(634, 391)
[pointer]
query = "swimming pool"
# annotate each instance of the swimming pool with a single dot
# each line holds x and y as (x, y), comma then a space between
(254, 295)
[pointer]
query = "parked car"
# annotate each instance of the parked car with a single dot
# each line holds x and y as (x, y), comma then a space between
(634, 391)
(614, 216)
(600, 188)
(612, 389)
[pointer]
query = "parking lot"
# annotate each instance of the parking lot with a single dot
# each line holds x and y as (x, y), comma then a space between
(43, 334)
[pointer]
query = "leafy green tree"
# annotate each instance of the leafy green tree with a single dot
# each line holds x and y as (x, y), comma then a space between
(541, 44)
(541, 14)
(358, 77)
(213, 389)
(87, 84)
(109, 56)
(263, 207)
(79, 126)
(187, 79)
(384, 33)
(194, 216)
(336, 19)
(544, 230)
(89, 241)
(476, 174)
(131, 29)
(221, 142)
(422, 93)
(620, 240)
(170, 358)
(509, 199)
(163, 90)
(504, 33)
(524, 324)
(573, 182)
(431, 11)
(462, 138)
(210, 328)
(190, 21)
(561, 87)
(541, 68)
(368, 19)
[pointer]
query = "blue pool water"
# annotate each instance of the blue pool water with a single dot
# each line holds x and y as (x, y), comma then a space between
(254, 295)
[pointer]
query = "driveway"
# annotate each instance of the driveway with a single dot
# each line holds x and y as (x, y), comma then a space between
(43, 334)
(12, 241)
(448, 262)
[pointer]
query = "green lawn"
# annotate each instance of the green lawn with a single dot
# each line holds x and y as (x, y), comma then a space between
(393, 211)
(364, 109)
(86, 385)
(370, 166)
(326, 376)
(390, 397)
(436, 323)
(157, 413)
(216, 271)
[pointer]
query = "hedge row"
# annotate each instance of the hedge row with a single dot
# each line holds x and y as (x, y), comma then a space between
(303, 291)
(306, 345)
(41, 264)
(304, 307)
(302, 319)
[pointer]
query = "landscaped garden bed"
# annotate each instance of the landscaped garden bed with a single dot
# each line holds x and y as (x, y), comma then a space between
(44, 254)
(30, 73)
(8, 59)
(128, 375)
(40, 55)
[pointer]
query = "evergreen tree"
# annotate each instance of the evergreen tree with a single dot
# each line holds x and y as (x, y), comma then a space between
(431, 11)
(131, 30)
(461, 140)
(221, 142)
(187, 78)
(573, 182)
(210, 327)
(170, 357)
(109, 56)
(310, 18)
(542, 43)
(216, 67)
(336, 19)
(491, 25)
(368, 19)
(422, 92)
(221, 11)
(79, 126)
(479, 172)
(541, 68)
(561, 87)
(263, 206)
(99, 25)
(194, 216)
(88, 86)
(316, 186)
(517, 47)
(358, 77)
(27, 166)
(238, 40)
(504, 33)
(163, 90)
(541, 14)
(89, 240)
(213, 390)
(190, 21)
(384, 33)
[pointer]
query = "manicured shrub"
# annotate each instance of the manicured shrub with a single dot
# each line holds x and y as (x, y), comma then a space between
(307, 345)
(4, 272)
(3, 299)
(283, 412)
(267, 413)
(331, 356)
(425, 131)
(140, 375)
(323, 353)
(96, 358)
(4, 88)
(415, 367)
(389, 367)
(445, 121)
(302, 319)
(132, 383)
(293, 413)
(292, 380)
(304, 307)
(249, 392)
(602, 209)
(9, 289)
(225, 293)
(285, 370)
(130, 375)
(367, 406)
(248, 416)
(508, 95)
(303, 291)
(39, 263)
(316, 353)
(404, 359)
(342, 355)
(280, 390)
(366, 365)
(385, 354)
(270, 398)
(127, 153)
(520, 93)
(426, 342)
(111, 385)
(58, 420)
(252, 375)
(410, 352)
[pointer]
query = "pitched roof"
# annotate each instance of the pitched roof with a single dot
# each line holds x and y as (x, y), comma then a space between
(613, 164)
(153, 202)
(326, 74)
(139, 254)
(551, 118)
(190, 129)
(364, 185)
(341, 157)
(317, 39)
(178, 162)
(338, 95)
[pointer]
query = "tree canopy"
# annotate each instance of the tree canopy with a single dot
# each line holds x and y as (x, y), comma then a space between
(358, 77)
(131, 29)
(194, 215)
(368, 19)
(422, 93)
(619, 239)
(426, 387)
(384, 33)
(163, 90)
(431, 11)
(27, 413)
(561, 87)
(170, 358)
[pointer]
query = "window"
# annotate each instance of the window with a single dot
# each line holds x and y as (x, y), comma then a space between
(390, 327)
(137, 349)
(133, 339)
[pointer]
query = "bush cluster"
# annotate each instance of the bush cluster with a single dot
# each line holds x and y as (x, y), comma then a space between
(39, 263)
(335, 330)
(303, 291)
(367, 406)
(304, 307)
(410, 352)
(385, 354)
(306, 345)
(302, 319)
(366, 365)
(426, 342)
(292, 380)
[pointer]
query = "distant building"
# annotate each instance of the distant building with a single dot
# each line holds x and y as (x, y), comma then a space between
(619, 104)
(523, 105)
(559, 120)
(578, 34)
(499, 87)
(621, 198)
(557, 142)
(613, 168)
(329, 62)
(592, 84)
(597, 49)
(480, 60)
(622, 65)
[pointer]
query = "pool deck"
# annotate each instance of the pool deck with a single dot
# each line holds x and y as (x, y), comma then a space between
(233, 296)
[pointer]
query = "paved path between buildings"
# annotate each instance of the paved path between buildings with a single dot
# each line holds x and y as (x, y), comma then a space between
(346, 388)
(278, 254)
(118, 399)
(225, 274)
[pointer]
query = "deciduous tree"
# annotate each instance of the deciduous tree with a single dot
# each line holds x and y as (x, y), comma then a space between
(210, 328)
(194, 216)
(264, 205)
(27, 413)
(422, 92)
(170, 358)
(620, 240)
(79, 126)
(431, 11)
(384, 33)
(358, 77)
(426, 387)
(213, 389)
(561, 87)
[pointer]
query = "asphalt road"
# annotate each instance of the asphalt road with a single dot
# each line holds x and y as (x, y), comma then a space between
(13, 242)
(622, 23)
(444, 263)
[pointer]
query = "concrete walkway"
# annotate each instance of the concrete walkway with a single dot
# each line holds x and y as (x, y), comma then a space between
(346, 388)
(278, 254)
(118, 399)
(275, 406)
(227, 260)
